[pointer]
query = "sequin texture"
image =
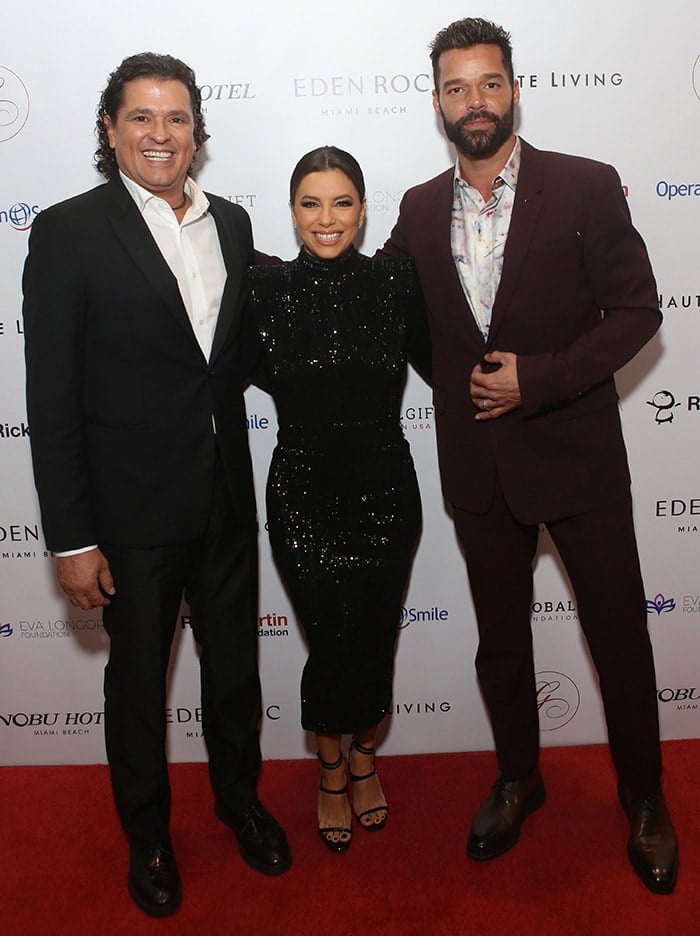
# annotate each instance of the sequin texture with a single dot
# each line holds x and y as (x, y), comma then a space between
(343, 507)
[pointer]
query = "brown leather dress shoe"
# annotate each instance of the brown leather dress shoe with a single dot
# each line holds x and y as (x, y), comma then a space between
(652, 846)
(496, 826)
(154, 880)
(261, 839)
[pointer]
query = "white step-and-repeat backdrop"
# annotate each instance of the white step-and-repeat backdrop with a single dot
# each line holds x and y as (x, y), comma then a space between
(615, 81)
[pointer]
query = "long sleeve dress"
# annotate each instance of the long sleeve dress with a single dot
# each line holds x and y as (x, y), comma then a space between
(343, 506)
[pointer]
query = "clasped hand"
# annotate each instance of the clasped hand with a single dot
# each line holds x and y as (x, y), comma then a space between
(497, 392)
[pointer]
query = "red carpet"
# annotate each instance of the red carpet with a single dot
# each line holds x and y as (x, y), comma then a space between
(64, 858)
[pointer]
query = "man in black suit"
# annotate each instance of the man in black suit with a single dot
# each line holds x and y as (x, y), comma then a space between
(133, 300)
(538, 289)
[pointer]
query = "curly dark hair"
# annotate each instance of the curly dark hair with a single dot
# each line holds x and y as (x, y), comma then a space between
(323, 158)
(465, 33)
(143, 65)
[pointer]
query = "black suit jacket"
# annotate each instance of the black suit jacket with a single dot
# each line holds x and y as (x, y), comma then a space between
(120, 397)
(577, 299)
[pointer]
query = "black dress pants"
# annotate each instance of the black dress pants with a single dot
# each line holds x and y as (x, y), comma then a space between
(219, 578)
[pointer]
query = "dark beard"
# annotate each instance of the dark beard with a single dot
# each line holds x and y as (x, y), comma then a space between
(480, 144)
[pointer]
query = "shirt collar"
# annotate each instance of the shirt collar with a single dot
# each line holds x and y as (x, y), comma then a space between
(507, 176)
(142, 197)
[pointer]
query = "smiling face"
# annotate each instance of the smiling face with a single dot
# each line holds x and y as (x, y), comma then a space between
(476, 100)
(152, 136)
(328, 212)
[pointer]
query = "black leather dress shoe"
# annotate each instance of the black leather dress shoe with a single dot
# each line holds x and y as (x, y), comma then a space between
(154, 880)
(261, 839)
(652, 846)
(496, 826)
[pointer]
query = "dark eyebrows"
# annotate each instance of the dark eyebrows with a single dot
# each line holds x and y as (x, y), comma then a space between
(148, 112)
(318, 197)
(488, 76)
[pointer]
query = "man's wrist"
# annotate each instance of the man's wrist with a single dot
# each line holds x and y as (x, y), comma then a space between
(73, 552)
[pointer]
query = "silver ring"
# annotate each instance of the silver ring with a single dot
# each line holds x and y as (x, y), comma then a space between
(485, 404)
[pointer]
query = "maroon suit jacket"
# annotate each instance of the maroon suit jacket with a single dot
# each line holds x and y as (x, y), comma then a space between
(576, 301)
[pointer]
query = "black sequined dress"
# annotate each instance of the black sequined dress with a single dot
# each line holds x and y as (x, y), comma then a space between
(343, 506)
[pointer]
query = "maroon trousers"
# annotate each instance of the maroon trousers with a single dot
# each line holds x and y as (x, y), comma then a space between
(599, 552)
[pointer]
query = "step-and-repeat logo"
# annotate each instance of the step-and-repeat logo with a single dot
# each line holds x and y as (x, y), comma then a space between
(21, 541)
(665, 406)
(10, 431)
(227, 91)
(19, 216)
(53, 724)
(549, 610)
(416, 418)
(423, 616)
(660, 604)
(682, 698)
(273, 624)
(671, 301)
(14, 104)
(420, 709)
(377, 95)
(684, 511)
(558, 699)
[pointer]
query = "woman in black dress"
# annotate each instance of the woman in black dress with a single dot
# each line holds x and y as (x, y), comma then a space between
(343, 506)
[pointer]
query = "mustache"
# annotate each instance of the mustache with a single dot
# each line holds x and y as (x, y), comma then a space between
(478, 115)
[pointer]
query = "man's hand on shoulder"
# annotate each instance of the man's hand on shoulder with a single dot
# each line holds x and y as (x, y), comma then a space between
(86, 579)
(494, 387)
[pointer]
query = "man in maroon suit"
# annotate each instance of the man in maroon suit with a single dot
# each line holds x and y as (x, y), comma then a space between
(538, 289)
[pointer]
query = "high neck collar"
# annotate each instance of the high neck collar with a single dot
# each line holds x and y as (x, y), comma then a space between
(336, 264)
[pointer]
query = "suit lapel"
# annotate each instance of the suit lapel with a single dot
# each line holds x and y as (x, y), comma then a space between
(230, 300)
(526, 210)
(132, 231)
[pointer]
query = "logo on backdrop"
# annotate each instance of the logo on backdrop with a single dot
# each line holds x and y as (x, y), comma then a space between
(680, 301)
(6, 630)
(666, 406)
(14, 104)
(227, 91)
(52, 628)
(13, 430)
(685, 698)
(416, 418)
(254, 421)
(420, 708)
(661, 605)
(664, 403)
(247, 200)
(571, 81)
(273, 625)
(558, 699)
(547, 610)
(19, 216)
(683, 511)
(691, 604)
(21, 541)
(670, 189)
(189, 720)
(422, 615)
(53, 723)
(384, 200)
(350, 95)
(696, 77)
